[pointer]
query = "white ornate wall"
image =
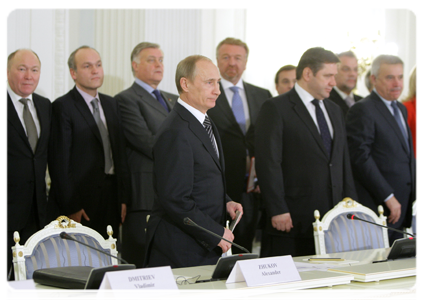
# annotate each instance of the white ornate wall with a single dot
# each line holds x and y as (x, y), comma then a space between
(273, 41)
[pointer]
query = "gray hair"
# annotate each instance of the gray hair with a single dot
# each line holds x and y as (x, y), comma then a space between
(384, 59)
(187, 69)
(138, 48)
(12, 55)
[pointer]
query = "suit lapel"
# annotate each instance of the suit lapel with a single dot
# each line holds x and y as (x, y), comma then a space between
(335, 119)
(305, 117)
(384, 111)
(14, 121)
(199, 131)
(42, 118)
(149, 99)
(82, 107)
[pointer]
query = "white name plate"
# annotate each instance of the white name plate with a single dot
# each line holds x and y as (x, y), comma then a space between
(263, 271)
(140, 279)
(18, 290)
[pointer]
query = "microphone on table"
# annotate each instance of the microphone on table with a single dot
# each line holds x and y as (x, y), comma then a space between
(66, 236)
(189, 222)
(354, 217)
(401, 248)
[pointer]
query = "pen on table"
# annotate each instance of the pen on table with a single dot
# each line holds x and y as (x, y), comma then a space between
(326, 259)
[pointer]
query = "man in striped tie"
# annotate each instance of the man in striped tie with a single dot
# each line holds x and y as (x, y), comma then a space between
(189, 176)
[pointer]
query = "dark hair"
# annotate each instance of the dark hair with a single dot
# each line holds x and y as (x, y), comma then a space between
(314, 58)
(284, 68)
(71, 60)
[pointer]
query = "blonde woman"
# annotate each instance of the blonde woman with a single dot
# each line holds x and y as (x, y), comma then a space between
(410, 104)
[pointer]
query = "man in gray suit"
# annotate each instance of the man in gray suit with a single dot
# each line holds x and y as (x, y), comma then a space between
(143, 109)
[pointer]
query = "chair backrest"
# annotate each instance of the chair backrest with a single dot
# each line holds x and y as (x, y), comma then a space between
(337, 233)
(46, 249)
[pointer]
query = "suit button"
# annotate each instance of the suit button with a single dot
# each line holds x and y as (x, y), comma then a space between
(330, 165)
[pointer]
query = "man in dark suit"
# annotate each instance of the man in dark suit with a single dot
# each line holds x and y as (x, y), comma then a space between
(143, 109)
(190, 182)
(28, 131)
(302, 157)
(381, 148)
(234, 115)
(346, 81)
(87, 163)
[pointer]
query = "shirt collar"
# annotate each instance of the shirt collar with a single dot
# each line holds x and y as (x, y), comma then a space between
(197, 114)
(144, 85)
(227, 84)
(305, 96)
(342, 94)
(387, 102)
(87, 97)
(15, 97)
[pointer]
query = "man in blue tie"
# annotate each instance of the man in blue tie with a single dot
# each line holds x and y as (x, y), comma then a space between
(381, 147)
(143, 108)
(234, 115)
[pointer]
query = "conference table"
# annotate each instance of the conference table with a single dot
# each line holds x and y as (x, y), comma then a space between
(354, 275)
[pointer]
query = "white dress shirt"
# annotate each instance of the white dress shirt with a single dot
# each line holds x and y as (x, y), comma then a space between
(307, 99)
(226, 85)
(20, 107)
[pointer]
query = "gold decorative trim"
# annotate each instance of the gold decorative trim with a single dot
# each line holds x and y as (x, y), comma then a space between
(348, 202)
(320, 228)
(20, 254)
(413, 291)
(113, 246)
(64, 222)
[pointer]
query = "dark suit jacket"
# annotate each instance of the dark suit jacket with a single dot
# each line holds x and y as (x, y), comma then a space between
(141, 116)
(26, 171)
(189, 183)
(234, 142)
(335, 97)
(295, 172)
(379, 159)
(76, 162)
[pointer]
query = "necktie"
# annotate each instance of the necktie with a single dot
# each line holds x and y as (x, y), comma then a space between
(31, 130)
(323, 126)
(104, 136)
(238, 108)
(350, 102)
(399, 121)
(207, 125)
(160, 99)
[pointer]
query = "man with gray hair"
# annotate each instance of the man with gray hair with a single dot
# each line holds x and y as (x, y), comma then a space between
(143, 108)
(381, 148)
(346, 81)
(190, 183)
(28, 132)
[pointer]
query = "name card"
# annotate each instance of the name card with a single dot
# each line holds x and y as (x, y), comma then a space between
(18, 290)
(263, 271)
(140, 279)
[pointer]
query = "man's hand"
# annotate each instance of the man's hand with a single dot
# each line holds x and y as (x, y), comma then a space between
(225, 245)
(77, 217)
(232, 207)
(282, 222)
(395, 208)
(123, 212)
